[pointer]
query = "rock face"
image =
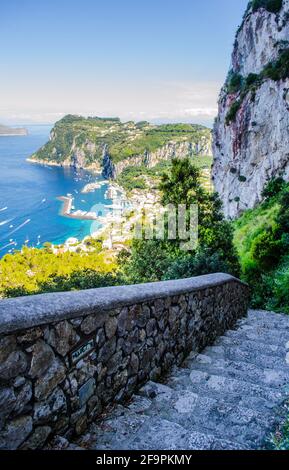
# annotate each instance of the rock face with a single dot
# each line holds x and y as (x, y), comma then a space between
(251, 142)
(151, 159)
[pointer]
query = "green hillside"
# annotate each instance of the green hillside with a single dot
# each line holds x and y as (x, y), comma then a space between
(122, 140)
(262, 240)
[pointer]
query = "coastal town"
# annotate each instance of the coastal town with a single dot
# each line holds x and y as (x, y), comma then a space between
(123, 218)
(117, 225)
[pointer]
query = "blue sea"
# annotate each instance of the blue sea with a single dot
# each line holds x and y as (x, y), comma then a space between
(29, 209)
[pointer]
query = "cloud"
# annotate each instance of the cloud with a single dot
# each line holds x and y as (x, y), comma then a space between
(152, 101)
(209, 112)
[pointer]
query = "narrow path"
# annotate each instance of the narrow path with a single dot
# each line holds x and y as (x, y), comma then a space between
(228, 397)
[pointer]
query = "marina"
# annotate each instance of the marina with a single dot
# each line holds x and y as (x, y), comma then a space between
(32, 207)
(67, 208)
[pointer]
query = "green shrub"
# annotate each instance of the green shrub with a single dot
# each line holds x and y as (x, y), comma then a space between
(273, 6)
(277, 70)
(279, 301)
(153, 260)
(204, 262)
(273, 188)
(251, 79)
(262, 240)
(232, 113)
(266, 250)
(242, 179)
(235, 82)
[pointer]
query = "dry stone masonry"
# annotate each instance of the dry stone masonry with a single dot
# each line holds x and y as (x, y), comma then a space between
(232, 396)
(64, 358)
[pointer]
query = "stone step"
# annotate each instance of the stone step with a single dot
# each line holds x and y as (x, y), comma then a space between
(281, 318)
(200, 441)
(226, 398)
(261, 328)
(254, 346)
(157, 432)
(209, 416)
(161, 434)
(114, 431)
(239, 354)
(266, 321)
(127, 428)
(239, 370)
(261, 335)
(228, 390)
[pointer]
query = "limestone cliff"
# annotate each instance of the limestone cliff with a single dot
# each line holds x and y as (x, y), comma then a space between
(150, 159)
(251, 132)
(110, 146)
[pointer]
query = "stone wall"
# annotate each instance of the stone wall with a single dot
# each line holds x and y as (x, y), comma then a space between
(65, 357)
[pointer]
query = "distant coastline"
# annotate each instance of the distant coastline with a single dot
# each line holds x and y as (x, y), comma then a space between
(6, 131)
(94, 168)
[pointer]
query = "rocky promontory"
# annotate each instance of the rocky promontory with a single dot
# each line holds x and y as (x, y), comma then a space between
(110, 146)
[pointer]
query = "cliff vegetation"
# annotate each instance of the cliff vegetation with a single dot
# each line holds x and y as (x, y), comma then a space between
(262, 240)
(82, 142)
(250, 138)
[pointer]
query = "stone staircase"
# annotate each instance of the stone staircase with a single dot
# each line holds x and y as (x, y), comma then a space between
(229, 397)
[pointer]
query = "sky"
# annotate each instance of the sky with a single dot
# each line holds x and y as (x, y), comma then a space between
(155, 60)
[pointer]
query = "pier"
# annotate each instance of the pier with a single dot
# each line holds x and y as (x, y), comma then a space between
(67, 207)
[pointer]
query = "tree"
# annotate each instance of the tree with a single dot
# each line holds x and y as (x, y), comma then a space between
(164, 259)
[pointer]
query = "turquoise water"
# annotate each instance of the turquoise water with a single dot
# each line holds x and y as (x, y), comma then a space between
(29, 209)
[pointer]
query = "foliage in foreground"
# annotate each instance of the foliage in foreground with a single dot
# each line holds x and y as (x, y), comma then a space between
(279, 440)
(35, 271)
(262, 240)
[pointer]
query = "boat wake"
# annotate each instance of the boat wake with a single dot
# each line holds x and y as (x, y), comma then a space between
(7, 246)
(16, 229)
(5, 222)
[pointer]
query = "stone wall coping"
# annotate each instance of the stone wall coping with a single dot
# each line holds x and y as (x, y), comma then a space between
(31, 311)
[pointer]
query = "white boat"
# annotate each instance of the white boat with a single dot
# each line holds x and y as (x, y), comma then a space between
(4, 222)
